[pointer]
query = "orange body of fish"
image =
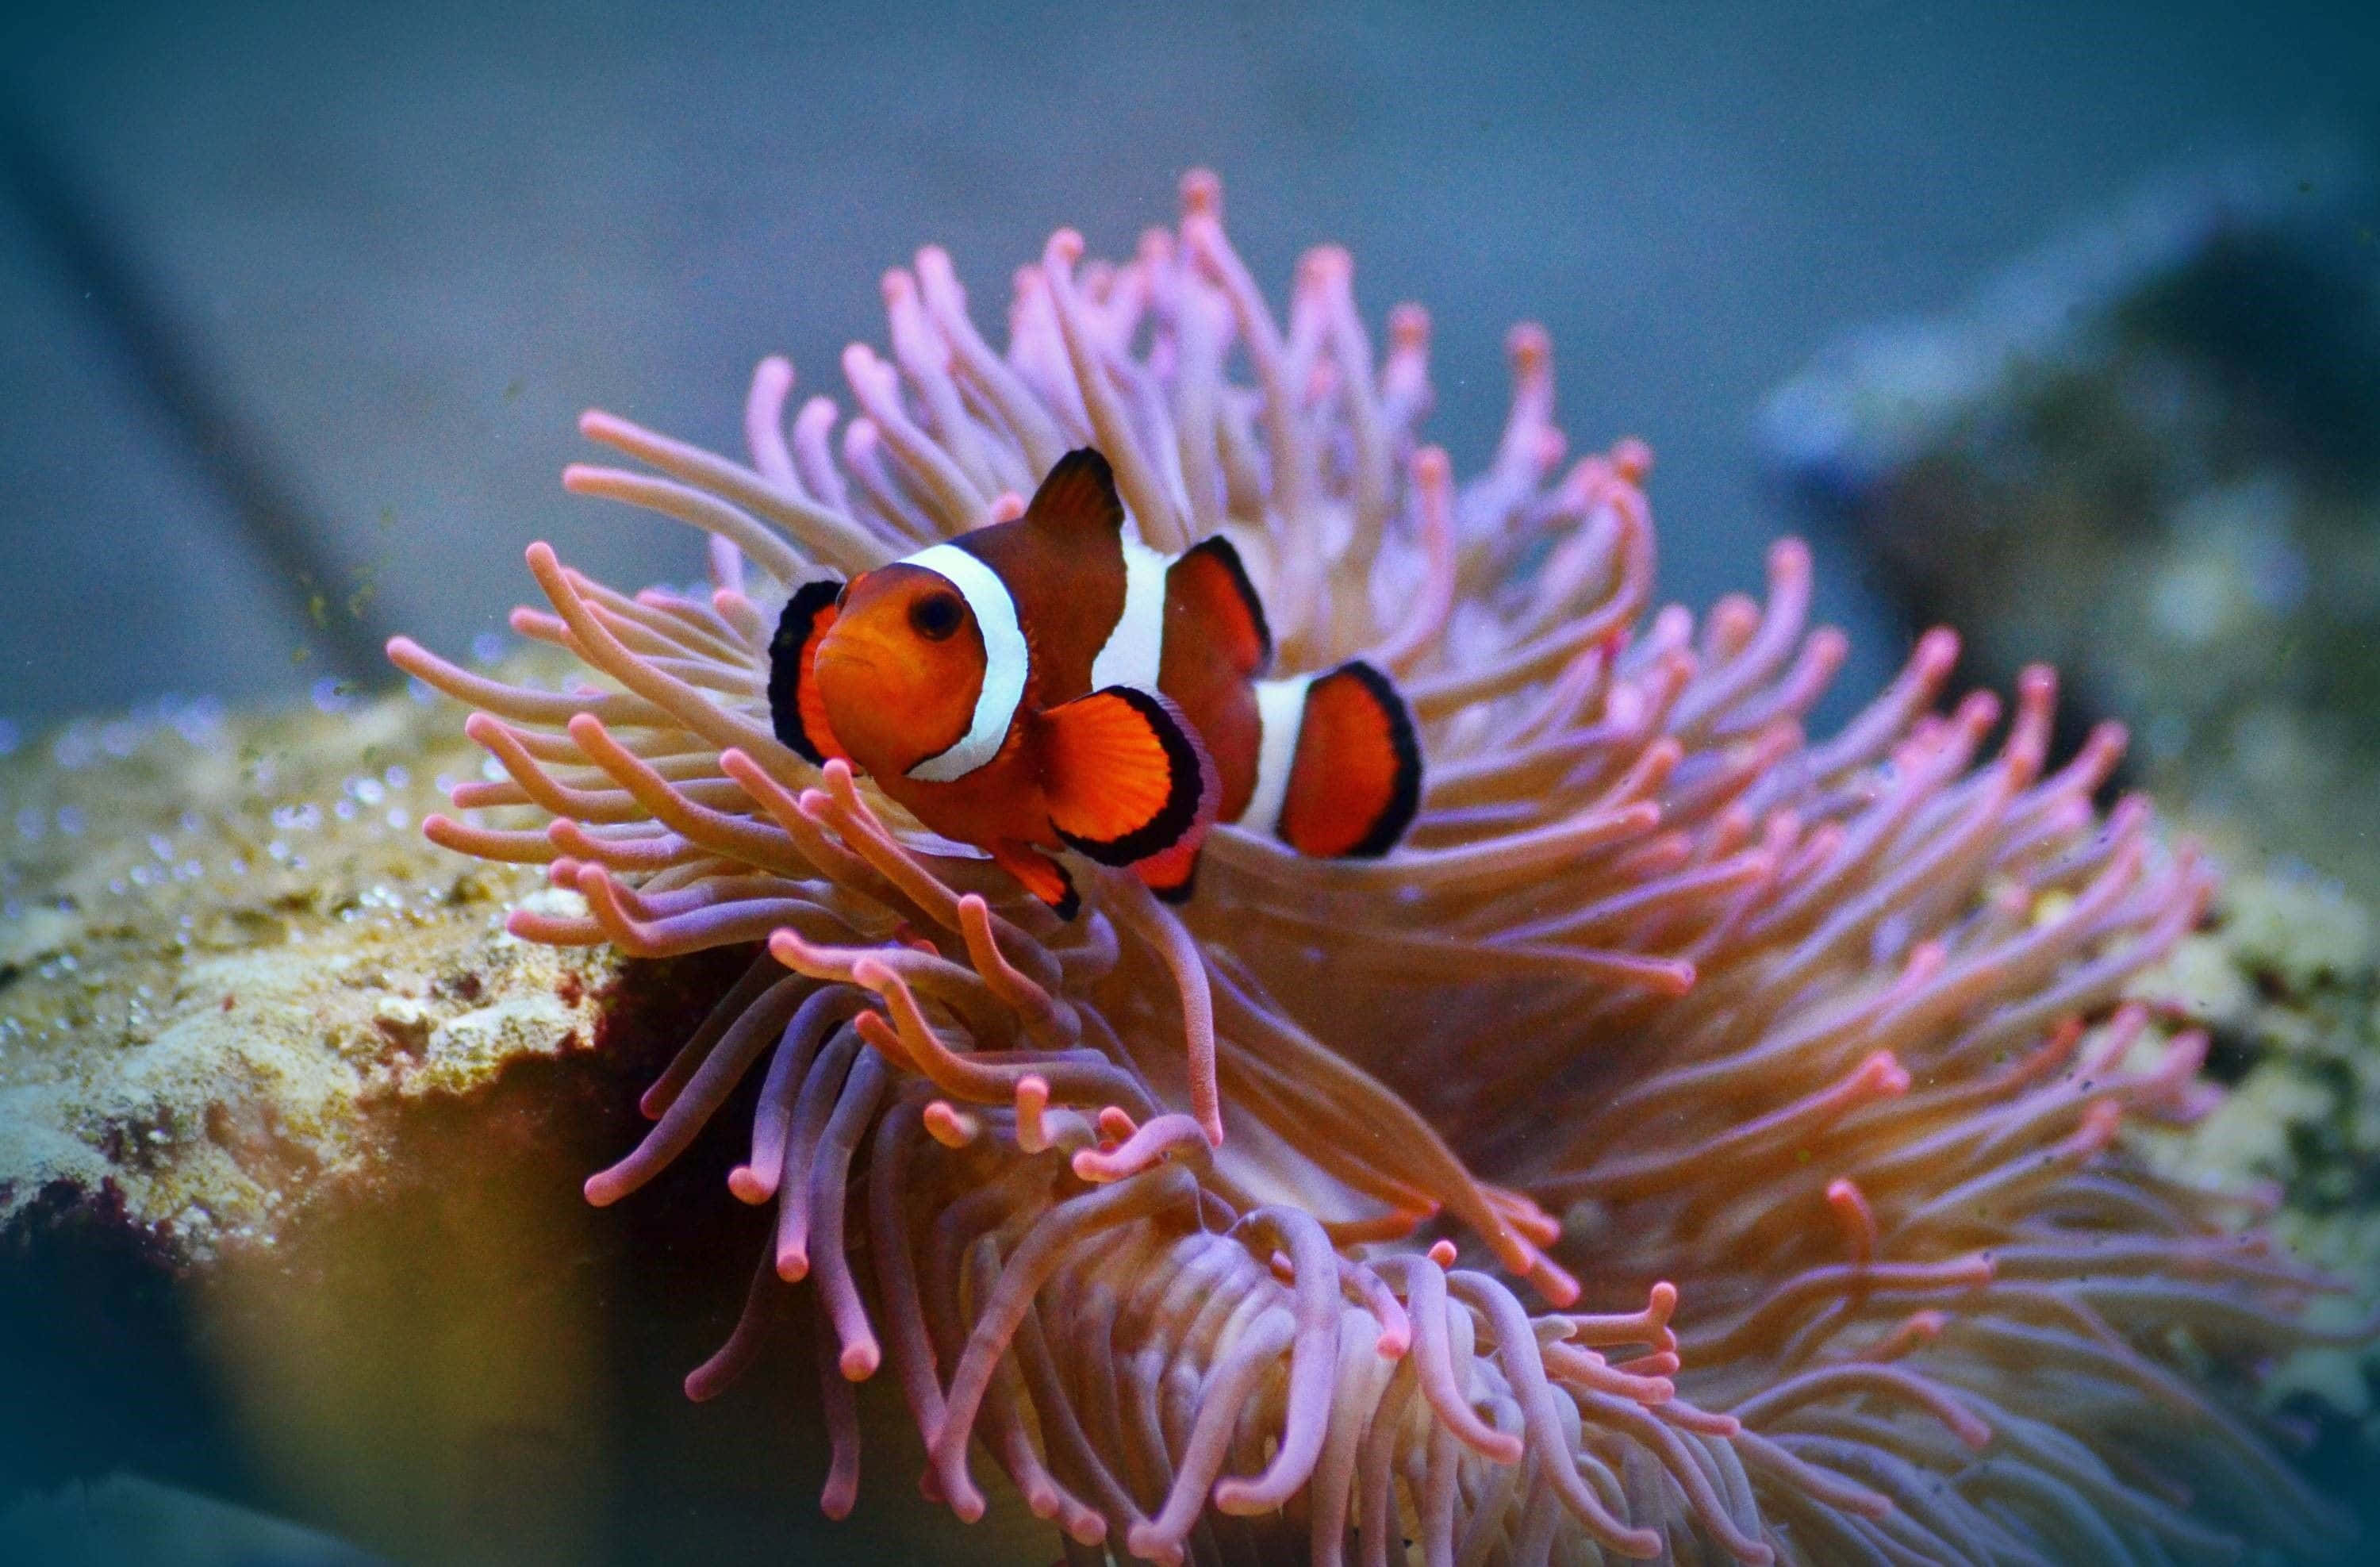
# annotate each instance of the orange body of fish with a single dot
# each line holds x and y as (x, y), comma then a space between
(1052, 684)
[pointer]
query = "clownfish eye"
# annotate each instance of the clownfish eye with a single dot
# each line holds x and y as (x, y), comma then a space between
(936, 617)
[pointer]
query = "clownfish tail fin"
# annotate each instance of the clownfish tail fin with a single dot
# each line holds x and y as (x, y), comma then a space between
(1354, 782)
(1125, 775)
(796, 711)
(1039, 875)
(1077, 502)
(1213, 587)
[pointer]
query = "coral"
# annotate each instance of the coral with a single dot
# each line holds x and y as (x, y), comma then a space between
(1212, 1231)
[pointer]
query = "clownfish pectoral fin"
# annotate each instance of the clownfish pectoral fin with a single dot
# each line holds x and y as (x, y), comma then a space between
(1039, 875)
(1078, 504)
(1355, 782)
(1173, 875)
(795, 711)
(1211, 585)
(1125, 775)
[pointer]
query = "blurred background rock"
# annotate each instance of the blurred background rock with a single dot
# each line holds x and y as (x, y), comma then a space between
(2150, 454)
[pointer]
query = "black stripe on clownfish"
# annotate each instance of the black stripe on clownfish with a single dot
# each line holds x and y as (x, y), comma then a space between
(1052, 682)
(798, 718)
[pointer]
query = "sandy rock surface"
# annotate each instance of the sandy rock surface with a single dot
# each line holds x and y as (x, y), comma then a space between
(226, 949)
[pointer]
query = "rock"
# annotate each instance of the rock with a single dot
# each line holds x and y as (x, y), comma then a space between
(229, 954)
(292, 1135)
(2286, 980)
(2150, 454)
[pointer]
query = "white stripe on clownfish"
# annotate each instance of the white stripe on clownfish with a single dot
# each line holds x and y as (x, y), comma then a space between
(1136, 648)
(1005, 661)
(1281, 714)
(1132, 655)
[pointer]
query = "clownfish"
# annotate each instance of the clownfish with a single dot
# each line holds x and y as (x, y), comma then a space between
(1052, 683)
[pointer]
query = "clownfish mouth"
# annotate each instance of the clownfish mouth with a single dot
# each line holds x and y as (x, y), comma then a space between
(844, 657)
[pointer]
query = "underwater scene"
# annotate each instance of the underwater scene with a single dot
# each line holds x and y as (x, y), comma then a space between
(1350, 784)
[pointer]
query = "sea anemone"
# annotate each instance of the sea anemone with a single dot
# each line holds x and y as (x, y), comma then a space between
(1212, 1230)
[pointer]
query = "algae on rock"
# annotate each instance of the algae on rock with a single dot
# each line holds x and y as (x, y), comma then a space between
(2286, 980)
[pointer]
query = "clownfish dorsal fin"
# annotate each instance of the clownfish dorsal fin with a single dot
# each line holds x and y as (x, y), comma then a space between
(1125, 775)
(1210, 586)
(1077, 504)
(1355, 782)
(795, 709)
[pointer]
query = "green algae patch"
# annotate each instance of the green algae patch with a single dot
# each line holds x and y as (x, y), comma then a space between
(226, 953)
